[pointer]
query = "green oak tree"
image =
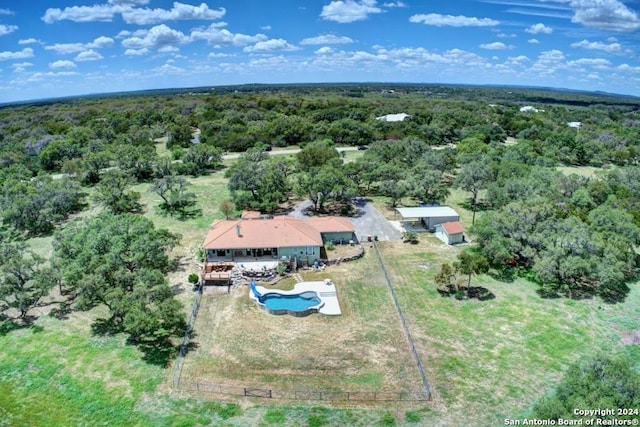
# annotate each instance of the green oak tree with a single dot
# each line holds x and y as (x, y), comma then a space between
(119, 261)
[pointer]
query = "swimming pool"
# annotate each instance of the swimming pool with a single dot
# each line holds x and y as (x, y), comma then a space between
(304, 299)
(296, 302)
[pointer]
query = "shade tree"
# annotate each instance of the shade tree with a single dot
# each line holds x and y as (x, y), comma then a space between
(119, 262)
(24, 278)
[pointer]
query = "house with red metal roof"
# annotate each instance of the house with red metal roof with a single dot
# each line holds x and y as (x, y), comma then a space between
(275, 238)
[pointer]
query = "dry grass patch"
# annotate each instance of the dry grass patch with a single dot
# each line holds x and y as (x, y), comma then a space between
(364, 349)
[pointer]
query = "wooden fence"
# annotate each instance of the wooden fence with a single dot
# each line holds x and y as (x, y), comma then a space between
(203, 388)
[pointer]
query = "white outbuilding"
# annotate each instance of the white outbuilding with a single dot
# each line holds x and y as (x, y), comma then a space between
(428, 216)
(393, 117)
(450, 232)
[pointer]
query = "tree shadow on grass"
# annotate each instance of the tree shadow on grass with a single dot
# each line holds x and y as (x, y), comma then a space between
(474, 292)
(10, 324)
(611, 295)
(105, 327)
(157, 353)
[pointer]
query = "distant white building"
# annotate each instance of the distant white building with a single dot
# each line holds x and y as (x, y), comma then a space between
(393, 117)
(574, 124)
(528, 109)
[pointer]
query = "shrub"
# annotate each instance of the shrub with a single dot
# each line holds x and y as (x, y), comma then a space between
(330, 246)
(193, 278)
(282, 269)
(411, 237)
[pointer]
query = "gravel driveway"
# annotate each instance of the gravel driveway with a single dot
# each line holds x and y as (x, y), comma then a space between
(370, 222)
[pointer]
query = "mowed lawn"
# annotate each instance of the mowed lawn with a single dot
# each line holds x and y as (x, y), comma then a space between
(490, 360)
(364, 349)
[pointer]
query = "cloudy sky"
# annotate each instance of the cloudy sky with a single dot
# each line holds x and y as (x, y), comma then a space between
(53, 48)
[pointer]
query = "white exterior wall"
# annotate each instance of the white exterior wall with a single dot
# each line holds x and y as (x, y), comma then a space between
(440, 234)
(455, 238)
(431, 222)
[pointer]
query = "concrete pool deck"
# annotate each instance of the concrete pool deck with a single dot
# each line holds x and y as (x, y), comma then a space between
(326, 291)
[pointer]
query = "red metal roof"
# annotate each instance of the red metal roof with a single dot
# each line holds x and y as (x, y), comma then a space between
(453, 227)
(281, 231)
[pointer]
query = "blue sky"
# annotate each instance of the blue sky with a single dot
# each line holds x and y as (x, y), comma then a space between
(53, 48)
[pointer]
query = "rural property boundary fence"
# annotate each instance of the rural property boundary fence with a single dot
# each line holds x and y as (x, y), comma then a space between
(307, 395)
(177, 370)
(405, 326)
(314, 395)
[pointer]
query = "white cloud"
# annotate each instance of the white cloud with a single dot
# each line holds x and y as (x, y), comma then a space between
(394, 4)
(265, 27)
(586, 44)
(605, 14)
(168, 68)
(533, 41)
(217, 37)
(324, 50)
(539, 28)
(549, 62)
(67, 48)
(168, 49)
(218, 55)
(62, 64)
(598, 63)
(627, 67)
(452, 21)
(517, 60)
(21, 66)
(37, 77)
(271, 46)
(348, 11)
(158, 37)
(7, 29)
(99, 13)
(326, 39)
(6, 12)
(180, 11)
(495, 46)
(88, 55)
(131, 14)
(136, 52)
(28, 41)
(130, 2)
(24, 53)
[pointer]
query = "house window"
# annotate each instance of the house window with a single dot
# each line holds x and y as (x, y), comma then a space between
(274, 251)
(311, 250)
(221, 252)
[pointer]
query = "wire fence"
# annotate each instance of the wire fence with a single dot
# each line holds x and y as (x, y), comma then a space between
(308, 395)
(177, 370)
(405, 326)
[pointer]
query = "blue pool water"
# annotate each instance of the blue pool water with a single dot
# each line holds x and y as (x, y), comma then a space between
(299, 302)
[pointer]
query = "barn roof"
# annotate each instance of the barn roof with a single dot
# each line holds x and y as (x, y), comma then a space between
(427, 212)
